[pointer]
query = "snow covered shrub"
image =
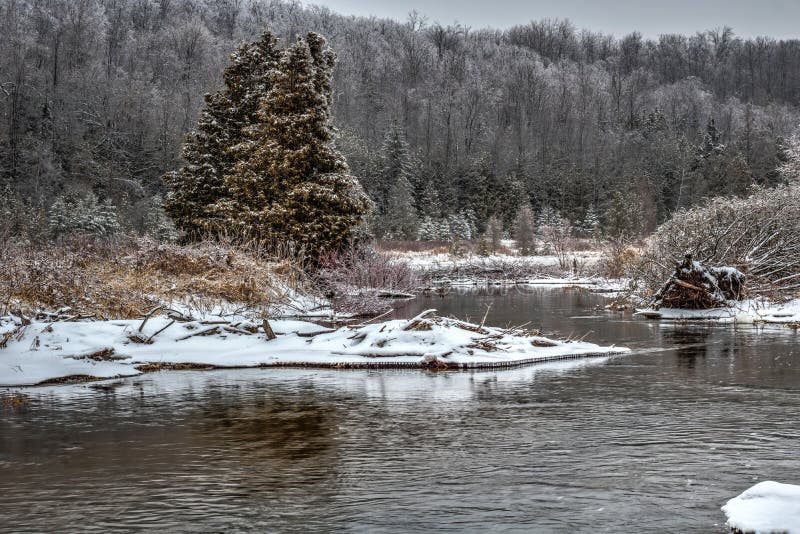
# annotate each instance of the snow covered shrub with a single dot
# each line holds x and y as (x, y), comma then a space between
(358, 279)
(157, 224)
(758, 235)
(458, 226)
(74, 213)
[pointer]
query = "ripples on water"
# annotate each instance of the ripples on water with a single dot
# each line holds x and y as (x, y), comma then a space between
(651, 442)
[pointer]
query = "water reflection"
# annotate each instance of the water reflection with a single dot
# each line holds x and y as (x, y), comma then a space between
(650, 442)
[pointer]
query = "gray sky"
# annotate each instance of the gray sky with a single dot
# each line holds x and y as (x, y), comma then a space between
(776, 18)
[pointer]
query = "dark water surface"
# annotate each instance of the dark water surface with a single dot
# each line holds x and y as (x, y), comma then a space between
(654, 441)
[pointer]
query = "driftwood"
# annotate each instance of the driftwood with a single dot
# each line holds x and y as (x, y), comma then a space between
(695, 286)
(420, 322)
(268, 330)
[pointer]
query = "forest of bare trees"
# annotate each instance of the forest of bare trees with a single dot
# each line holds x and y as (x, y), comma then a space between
(96, 97)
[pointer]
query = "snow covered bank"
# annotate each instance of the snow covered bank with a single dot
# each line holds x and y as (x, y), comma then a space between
(596, 284)
(746, 311)
(766, 508)
(48, 351)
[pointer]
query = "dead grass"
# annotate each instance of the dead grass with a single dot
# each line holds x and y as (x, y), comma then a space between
(124, 278)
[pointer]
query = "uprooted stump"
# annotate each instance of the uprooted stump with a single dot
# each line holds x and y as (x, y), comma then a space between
(698, 287)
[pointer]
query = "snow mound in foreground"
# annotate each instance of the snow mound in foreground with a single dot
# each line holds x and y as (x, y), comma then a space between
(44, 351)
(766, 508)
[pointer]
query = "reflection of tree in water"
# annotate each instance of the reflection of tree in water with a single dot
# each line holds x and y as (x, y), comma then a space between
(281, 424)
(691, 343)
(277, 447)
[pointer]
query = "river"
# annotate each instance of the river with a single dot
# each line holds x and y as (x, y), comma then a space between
(654, 441)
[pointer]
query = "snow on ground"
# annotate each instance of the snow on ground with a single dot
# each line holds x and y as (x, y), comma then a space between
(766, 508)
(43, 351)
(746, 311)
(435, 262)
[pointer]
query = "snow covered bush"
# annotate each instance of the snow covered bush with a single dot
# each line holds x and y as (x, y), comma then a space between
(758, 235)
(156, 223)
(357, 280)
(789, 169)
(74, 213)
(458, 226)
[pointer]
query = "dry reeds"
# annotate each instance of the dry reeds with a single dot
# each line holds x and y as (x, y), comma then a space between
(123, 278)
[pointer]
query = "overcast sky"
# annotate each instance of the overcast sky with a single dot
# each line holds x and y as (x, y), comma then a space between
(748, 18)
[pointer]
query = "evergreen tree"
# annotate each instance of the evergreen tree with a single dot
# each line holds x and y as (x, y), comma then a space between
(589, 225)
(394, 184)
(547, 217)
(717, 169)
(459, 227)
(623, 217)
(494, 233)
(400, 220)
(82, 214)
(429, 204)
(524, 230)
(789, 167)
(156, 223)
(291, 184)
(210, 151)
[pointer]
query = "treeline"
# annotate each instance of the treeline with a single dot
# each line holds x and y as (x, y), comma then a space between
(444, 125)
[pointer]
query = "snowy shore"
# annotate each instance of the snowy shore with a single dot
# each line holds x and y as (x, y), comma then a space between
(42, 352)
(743, 312)
(766, 508)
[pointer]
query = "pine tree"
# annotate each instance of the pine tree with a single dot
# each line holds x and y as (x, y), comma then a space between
(400, 220)
(459, 227)
(429, 204)
(590, 223)
(210, 151)
(789, 167)
(623, 217)
(394, 184)
(524, 231)
(156, 223)
(494, 232)
(82, 214)
(291, 183)
(547, 217)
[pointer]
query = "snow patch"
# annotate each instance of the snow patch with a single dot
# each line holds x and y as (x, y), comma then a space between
(43, 351)
(766, 508)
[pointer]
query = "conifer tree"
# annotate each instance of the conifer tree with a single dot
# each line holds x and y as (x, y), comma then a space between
(291, 184)
(73, 213)
(590, 223)
(394, 182)
(524, 230)
(429, 204)
(400, 220)
(494, 232)
(209, 151)
(155, 222)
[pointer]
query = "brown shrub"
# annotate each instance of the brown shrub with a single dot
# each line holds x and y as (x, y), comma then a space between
(123, 278)
(619, 259)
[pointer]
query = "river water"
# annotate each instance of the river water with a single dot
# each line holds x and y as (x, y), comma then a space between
(654, 441)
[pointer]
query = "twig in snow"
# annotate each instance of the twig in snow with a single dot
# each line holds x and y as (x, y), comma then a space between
(150, 339)
(204, 332)
(365, 323)
(148, 315)
(485, 315)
